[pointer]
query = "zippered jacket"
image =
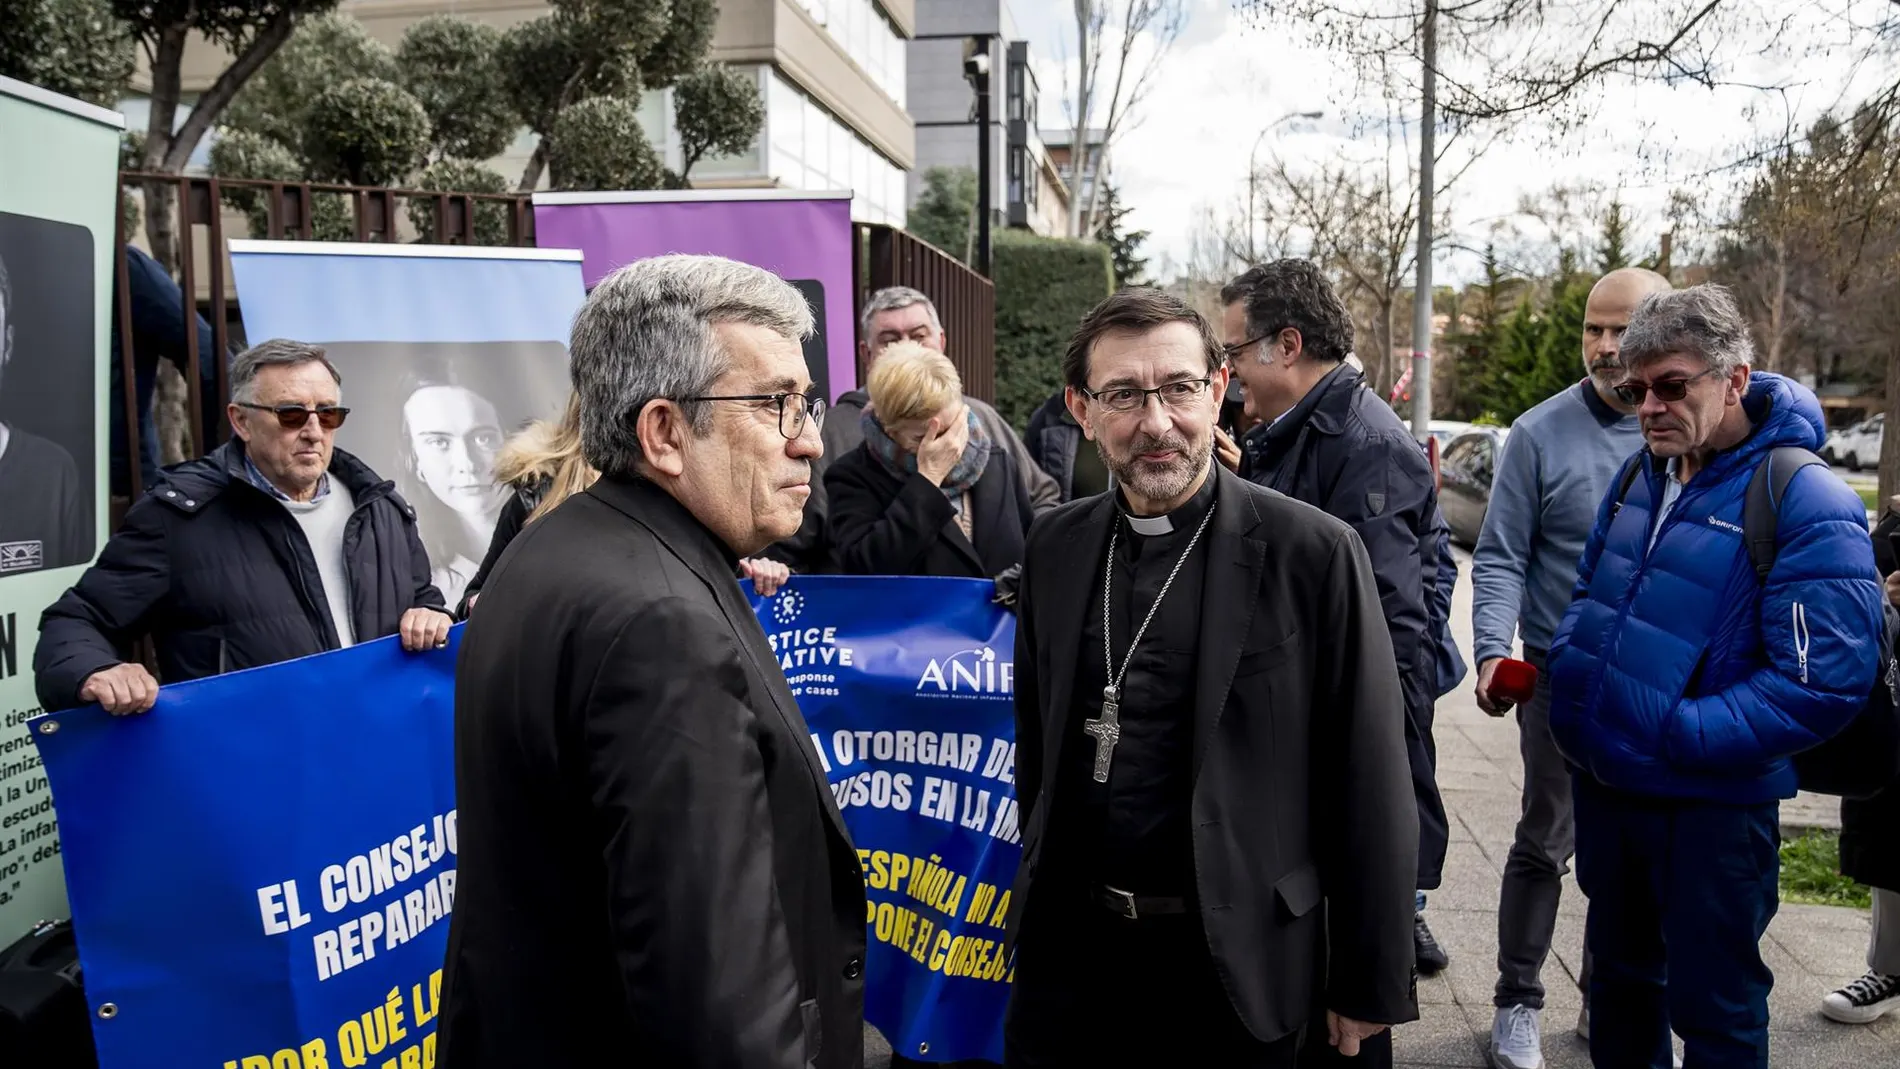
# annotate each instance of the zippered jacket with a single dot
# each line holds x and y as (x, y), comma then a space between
(1675, 671)
(220, 576)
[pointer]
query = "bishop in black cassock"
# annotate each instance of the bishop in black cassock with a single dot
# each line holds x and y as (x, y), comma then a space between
(1202, 823)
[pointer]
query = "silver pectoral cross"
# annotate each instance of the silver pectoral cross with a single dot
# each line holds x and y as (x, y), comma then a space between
(1106, 731)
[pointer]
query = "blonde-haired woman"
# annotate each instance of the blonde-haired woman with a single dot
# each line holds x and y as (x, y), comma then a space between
(927, 493)
(543, 466)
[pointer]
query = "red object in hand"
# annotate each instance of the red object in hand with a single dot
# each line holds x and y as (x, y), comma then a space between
(1513, 681)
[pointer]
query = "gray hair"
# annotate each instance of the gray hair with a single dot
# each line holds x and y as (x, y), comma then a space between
(890, 299)
(1702, 321)
(645, 333)
(277, 352)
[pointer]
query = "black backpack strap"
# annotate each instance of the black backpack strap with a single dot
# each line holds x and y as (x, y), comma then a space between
(1761, 507)
(1626, 479)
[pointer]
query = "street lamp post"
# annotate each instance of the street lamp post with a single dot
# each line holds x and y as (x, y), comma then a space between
(1253, 168)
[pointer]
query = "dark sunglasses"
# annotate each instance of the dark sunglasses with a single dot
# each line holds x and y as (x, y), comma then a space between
(1668, 390)
(294, 417)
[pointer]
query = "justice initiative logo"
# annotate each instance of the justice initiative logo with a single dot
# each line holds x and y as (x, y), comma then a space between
(787, 606)
(21, 556)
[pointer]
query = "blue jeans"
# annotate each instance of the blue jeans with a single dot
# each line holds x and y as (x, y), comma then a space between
(1681, 892)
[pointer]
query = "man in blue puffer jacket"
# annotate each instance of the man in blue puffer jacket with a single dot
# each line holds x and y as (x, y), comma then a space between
(1681, 684)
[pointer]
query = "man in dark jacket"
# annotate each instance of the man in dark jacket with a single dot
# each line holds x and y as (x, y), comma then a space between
(893, 314)
(652, 868)
(1054, 440)
(274, 547)
(1681, 685)
(1332, 443)
(158, 334)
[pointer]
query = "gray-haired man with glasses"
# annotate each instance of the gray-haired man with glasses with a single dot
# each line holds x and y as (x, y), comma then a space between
(653, 870)
(277, 545)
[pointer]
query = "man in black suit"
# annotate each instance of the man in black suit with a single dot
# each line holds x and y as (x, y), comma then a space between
(1215, 757)
(652, 869)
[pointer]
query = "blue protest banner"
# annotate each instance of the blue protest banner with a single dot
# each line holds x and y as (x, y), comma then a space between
(908, 686)
(261, 869)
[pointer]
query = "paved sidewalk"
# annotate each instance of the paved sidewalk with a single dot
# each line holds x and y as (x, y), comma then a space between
(1812, 949)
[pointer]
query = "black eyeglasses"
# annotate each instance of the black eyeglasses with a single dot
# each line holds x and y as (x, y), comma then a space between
(1633, 393)
(791, 416)
(1129, 398)
(294, 417)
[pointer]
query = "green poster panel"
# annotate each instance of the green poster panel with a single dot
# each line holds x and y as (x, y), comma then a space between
(58, 192)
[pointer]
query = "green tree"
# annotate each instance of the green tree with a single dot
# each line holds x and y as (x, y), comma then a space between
(461, 176)
(450, 64)
(595, 48)
(945, 212)
(248, 154)
(250, 31)
(325, 50)
(717, 111)
(1044, 286)
(1613, 243)
(1479, 382)
(599, 144)
(1124, 246)
(365, 132)
(76, 47)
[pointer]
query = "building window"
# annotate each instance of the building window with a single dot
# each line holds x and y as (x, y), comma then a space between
(868, 37)
(812, 150)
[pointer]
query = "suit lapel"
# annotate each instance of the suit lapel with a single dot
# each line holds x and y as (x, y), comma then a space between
(681, 533)
(1228, 600)
(753, 641)
(1067, 595)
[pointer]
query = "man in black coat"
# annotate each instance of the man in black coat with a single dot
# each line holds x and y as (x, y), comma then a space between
(652, 870)
(276, 546)
(1329, 441)
(1206, 748)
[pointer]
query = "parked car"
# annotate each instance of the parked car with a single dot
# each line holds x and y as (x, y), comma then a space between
(1446, 429)
(1465, 471)
(1858, 446)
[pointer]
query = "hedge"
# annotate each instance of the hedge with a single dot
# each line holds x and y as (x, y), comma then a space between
(1044, 286)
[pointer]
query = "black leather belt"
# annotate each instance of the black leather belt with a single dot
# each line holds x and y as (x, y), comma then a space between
(1133, 906)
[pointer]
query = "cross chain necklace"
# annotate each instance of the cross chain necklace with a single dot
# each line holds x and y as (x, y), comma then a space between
(1106, 730)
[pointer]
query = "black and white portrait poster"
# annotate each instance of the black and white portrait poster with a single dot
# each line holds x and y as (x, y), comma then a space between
(59, 180)
(445, 351)
(47, 354)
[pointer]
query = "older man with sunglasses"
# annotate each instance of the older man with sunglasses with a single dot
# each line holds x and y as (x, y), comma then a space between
(275, 546)
(1681, 684)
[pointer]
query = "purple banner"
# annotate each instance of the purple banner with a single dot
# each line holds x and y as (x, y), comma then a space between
(803, 237)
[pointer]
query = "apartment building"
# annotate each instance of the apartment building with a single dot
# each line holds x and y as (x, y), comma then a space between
(1025, 189)
(832, 74)
(1060, 144)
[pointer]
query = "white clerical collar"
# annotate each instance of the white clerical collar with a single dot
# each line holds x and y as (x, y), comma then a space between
(1149, 525)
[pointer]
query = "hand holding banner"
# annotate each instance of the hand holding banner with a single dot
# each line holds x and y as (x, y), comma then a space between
(908, 687)
(262, 867)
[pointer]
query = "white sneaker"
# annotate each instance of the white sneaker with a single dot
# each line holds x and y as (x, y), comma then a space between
(1864, 1001)
(1517, 1040)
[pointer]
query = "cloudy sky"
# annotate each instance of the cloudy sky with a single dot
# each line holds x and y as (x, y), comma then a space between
(1229, 76)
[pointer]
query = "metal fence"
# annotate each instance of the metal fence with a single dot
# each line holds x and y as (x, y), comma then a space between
(965, 300)
(275, 211)
(201, 210)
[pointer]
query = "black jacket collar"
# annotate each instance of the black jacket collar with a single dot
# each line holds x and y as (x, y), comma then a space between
(661, 512)
(192, 485)
(1324, 407)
